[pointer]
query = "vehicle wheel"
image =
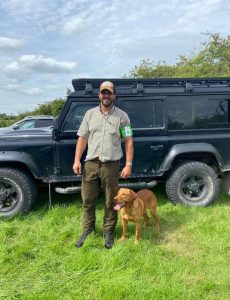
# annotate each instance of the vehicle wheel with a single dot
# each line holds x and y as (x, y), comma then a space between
(193, 184)
(17, 192)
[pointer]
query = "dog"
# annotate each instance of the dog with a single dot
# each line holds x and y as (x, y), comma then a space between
(133, 206)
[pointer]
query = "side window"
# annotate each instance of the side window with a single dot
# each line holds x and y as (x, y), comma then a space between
(144, 113)
(26, 124)
(75, 115)
(198, 112)
(44, 123)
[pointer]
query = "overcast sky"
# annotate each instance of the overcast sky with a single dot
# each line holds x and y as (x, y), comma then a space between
(45, 44)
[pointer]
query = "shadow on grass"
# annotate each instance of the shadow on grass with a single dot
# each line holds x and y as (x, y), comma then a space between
(43, 201)
(171, 217)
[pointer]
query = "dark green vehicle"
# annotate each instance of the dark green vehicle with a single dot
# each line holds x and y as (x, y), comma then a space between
(181, 136)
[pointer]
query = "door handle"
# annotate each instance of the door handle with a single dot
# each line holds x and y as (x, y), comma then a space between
(157, 147)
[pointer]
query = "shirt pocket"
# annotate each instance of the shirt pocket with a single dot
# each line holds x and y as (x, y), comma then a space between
(112, 127)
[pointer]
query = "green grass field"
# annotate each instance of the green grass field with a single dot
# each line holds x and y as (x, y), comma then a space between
(188, 259)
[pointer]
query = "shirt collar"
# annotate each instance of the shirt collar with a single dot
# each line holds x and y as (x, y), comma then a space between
(107, 113)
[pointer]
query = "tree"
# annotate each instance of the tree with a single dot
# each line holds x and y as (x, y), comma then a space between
(52, 108)
(212, 60)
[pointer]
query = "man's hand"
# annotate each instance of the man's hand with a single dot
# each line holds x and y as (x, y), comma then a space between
(77, 167)
(126, 171)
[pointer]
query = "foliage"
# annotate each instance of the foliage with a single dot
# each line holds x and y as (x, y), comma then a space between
(6, 120)
(212, 60)
(189, 259)
(52, 108)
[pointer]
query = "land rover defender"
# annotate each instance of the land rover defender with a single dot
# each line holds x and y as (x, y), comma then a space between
(181, 132)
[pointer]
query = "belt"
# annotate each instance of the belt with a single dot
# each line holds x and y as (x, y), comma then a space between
(97, 159)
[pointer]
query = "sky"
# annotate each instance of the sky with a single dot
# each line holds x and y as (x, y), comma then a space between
(45, 44)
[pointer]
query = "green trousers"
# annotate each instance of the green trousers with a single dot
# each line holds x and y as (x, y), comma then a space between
(97, 175)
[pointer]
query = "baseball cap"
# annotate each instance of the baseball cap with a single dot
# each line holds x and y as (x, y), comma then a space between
(107, 85)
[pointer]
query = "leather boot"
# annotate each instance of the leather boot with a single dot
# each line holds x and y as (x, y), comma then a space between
(83, 237)
(109, 239)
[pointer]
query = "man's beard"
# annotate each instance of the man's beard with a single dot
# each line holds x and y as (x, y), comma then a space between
(107, 102)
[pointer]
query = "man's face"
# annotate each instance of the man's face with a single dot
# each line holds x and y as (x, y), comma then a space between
(106, 97)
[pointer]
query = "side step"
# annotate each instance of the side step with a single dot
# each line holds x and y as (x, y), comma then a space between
(132, 185)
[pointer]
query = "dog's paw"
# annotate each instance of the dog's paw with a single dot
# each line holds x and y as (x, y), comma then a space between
(122, 239)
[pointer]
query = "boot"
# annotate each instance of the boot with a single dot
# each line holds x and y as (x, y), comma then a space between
(83, 237)
(109, 239)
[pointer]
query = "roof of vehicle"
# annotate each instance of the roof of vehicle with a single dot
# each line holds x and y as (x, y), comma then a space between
(141, 86)
(38, 117)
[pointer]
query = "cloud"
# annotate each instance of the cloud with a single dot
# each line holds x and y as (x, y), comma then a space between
(38, 63)
(26, 90)
(7, 43)
(192, 17)
(13, 86)
(41, 64)
(48, 16)
(73, 26)
(15, 69)
(32, 91)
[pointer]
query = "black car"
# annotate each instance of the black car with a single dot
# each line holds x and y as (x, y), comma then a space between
(181, 136)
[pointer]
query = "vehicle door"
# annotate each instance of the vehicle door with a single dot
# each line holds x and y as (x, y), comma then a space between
(66, 145)
(147, 116)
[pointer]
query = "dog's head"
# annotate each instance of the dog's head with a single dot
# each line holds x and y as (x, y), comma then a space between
(124, 197)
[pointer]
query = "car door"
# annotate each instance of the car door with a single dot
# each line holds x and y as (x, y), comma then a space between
(65, 146)
(147, 116)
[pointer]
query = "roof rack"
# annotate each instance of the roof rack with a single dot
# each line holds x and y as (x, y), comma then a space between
(138, 85)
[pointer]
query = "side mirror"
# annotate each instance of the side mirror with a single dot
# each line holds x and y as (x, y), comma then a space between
(56, 131)
(15, 127)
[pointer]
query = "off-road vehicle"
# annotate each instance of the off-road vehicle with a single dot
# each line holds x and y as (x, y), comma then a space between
(181, 136)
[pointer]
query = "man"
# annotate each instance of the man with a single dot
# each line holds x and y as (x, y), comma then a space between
(101, 130)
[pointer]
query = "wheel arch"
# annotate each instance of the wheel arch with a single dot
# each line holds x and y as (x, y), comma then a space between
(202, 152)
(21, 161)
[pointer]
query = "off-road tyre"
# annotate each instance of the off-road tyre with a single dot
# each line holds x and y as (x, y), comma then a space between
(193, 184)
(18, 192)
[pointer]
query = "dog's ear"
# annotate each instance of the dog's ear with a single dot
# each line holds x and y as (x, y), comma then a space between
(117, 197)
(132, 195)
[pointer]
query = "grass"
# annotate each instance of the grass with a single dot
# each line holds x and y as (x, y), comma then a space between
(189, 259)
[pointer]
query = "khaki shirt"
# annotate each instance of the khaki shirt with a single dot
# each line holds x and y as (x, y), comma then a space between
(103, 133)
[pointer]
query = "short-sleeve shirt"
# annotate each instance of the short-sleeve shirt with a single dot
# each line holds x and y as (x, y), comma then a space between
(103, 133)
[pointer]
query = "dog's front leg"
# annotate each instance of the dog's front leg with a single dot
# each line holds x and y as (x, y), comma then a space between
(124, 228)
(138, 232)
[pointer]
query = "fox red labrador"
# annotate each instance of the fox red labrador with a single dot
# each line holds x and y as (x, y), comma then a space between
(133, 206)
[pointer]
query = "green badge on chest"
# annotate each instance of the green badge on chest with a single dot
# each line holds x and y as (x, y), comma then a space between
(126, 131)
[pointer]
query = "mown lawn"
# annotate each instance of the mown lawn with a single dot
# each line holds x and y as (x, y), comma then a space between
(189, 259)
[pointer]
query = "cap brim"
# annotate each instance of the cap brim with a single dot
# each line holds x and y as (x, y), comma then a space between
(108, 89)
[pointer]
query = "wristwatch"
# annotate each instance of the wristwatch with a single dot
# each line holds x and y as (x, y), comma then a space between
(129, 163)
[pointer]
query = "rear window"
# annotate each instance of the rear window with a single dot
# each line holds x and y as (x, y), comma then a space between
(45, 123)
(196, 112)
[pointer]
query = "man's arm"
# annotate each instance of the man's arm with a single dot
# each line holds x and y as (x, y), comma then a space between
(129, 157)
(80, 148)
